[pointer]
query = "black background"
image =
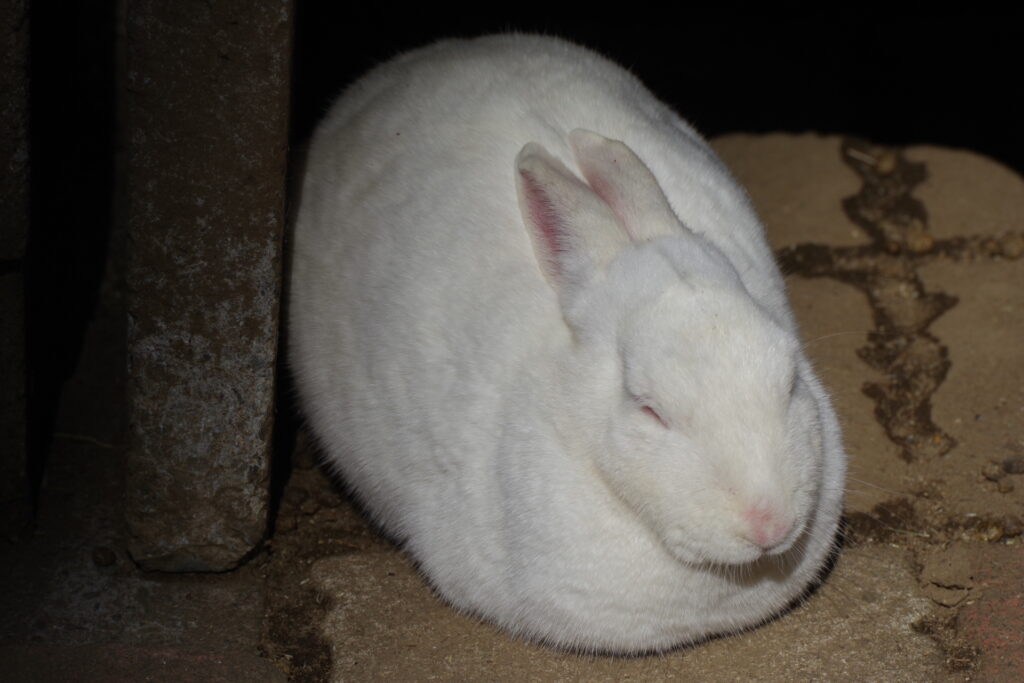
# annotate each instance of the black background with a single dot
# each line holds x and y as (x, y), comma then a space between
(952, 81)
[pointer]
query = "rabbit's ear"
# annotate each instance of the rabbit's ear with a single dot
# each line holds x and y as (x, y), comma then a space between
(574, 232)
(625, 184)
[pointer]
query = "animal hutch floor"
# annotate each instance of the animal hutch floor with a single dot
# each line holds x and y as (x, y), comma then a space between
(905, 270)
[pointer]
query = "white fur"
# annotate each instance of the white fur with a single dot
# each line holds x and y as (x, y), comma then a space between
(609, 439)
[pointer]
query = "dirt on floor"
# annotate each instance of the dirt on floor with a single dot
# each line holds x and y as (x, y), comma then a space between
(905, 269)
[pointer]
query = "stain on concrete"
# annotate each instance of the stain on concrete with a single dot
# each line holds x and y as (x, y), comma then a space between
(959, 655)
(884, 523)
(913, 361)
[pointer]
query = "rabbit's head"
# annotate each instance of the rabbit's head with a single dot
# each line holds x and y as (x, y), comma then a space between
(692, 399)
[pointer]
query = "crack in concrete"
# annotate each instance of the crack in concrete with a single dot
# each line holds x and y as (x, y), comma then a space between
(913, 361)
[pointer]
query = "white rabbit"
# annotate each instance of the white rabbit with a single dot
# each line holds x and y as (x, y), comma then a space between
(560, 369)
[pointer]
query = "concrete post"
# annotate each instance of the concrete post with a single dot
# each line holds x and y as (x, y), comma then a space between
(207, 103)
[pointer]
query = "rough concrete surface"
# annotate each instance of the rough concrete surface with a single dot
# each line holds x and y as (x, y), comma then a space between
(207, 135)
(910, 296)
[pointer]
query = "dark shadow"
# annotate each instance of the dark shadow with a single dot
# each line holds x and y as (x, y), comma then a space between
(896, 81)
(72, 145)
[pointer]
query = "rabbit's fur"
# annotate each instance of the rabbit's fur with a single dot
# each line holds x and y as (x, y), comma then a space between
(561, 370)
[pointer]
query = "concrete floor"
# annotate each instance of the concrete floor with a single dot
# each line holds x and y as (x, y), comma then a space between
(930, 585)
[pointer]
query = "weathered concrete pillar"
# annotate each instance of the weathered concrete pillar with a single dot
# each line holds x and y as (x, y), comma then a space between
(206, 132)
(14, 217)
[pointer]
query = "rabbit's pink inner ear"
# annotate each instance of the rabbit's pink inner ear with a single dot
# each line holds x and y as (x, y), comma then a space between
(619, 177)
(545, 224)
(610, 196)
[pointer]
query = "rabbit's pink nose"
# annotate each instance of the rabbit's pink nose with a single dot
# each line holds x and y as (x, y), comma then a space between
(765, 526)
